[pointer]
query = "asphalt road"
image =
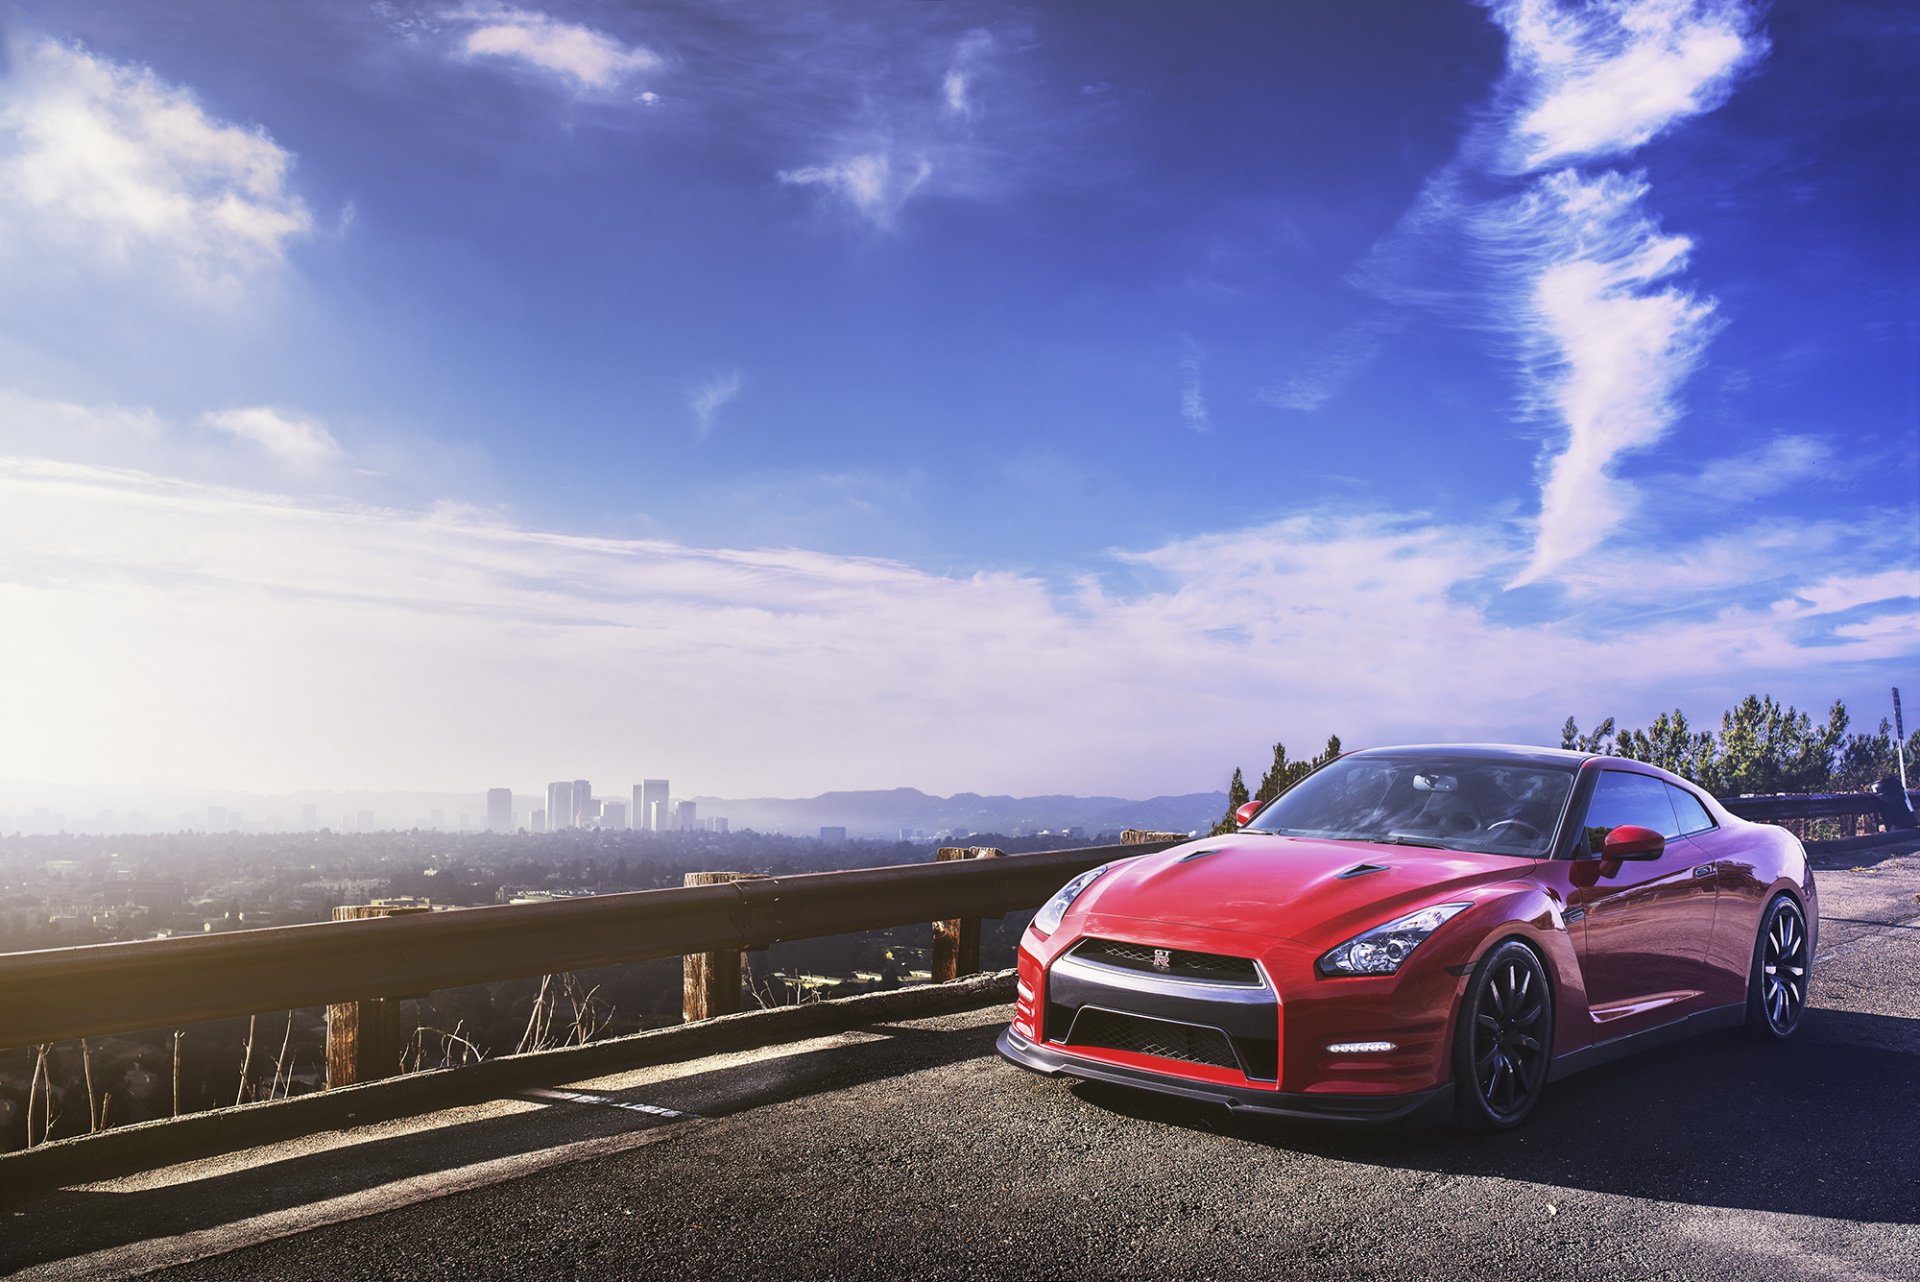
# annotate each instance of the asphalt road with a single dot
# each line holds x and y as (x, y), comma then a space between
(910, 1151)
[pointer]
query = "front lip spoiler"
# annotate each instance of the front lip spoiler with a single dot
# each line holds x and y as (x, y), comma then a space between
(1421, 1108)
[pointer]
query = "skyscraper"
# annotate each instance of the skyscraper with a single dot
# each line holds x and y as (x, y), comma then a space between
(684, 817)
(583, 809)
(537, 821)
(499, 810)
(645, 794)
(559, 806)
(613, 814)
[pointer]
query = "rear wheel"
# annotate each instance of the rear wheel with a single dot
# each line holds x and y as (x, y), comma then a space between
(1503, 1040)
(1782, 970)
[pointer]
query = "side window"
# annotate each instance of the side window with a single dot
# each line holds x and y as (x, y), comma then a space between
(1687, 808)
(1624, 798)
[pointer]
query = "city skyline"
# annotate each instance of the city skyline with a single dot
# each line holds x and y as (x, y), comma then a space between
(970, 397)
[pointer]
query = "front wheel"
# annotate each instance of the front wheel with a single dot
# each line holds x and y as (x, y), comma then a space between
(1782, 969)
(1503, 1041)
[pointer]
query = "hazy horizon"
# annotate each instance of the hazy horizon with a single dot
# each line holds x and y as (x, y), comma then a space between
(969, 397)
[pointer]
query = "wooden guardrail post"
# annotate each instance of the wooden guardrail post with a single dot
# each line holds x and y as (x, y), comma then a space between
(956, 941)
(363, 1037)
(710, 982)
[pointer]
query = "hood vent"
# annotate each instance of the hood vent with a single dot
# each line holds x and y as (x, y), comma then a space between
(1198, 854)
(1361, 870)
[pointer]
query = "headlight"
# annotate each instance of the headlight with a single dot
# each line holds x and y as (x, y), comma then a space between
(1381, 950)
(1047, 920)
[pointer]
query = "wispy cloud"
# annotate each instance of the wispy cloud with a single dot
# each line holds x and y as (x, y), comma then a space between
(106, 165)
(1602, 79)
(956, 86)
(747, 653)
(288, 438)
(582, 58)
(874, 183)
(712, 394)
(1783, 463)
(1332, 365)
(1607, 339)
(1572, 264)
(1193, 397)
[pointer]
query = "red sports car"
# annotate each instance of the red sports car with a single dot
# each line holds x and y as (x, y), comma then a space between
(1413, 933)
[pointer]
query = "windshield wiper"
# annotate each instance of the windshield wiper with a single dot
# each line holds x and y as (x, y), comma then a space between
(1403, 839)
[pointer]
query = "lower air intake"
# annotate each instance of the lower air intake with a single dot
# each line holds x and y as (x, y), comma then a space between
(1187, 1042)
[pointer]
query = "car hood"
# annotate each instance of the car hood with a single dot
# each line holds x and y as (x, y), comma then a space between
(1289, 887)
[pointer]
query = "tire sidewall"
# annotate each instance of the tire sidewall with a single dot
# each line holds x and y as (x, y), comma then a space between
(1470, 1109)
(1757, 1020)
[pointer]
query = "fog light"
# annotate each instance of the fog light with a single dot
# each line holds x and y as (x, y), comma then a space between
(1359, 1048)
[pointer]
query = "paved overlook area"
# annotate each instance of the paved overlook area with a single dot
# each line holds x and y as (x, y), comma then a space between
(905, 1149)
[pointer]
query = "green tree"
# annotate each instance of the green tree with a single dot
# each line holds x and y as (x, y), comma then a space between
(1236, 798)
(1280, 776)
(1600, 741)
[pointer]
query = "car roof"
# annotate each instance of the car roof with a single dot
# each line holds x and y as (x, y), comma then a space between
(1482, 752)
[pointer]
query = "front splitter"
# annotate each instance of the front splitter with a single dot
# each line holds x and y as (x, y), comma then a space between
(1418, 1109)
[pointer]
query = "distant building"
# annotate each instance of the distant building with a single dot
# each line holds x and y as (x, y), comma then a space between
(583, 811)
(537, 821)
(646, 794)
(659, 818)
(559, 806)
(613, 814)
(683, 816)
(834, 833)
(719, 823)
(499, 810)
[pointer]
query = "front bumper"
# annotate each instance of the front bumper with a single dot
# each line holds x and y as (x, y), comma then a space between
(1416, 1109)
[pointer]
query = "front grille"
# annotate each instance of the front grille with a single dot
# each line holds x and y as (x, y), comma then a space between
(1181, 962)
(1187, 1042)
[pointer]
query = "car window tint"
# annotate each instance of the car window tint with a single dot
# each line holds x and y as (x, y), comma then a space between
(1623, 798)
(1692, 815)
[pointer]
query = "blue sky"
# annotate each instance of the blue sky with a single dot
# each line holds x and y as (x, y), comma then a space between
(1073, 397)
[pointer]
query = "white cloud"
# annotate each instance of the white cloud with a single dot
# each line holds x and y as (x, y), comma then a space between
(956, 85)
(106, 164)
(361, 643)
(581, 57)
(873, 182)
(1193, 397)
(1779, 464)
(292, 440)
(712, 393)
(1603, 79)
(1331, 366)
(1608, 339)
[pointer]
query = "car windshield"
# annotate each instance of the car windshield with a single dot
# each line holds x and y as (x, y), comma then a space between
(1486, 804)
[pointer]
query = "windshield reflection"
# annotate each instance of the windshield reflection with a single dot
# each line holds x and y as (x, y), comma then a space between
(1479, 804)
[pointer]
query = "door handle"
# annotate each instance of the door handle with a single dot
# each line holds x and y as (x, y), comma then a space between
(1706, 870)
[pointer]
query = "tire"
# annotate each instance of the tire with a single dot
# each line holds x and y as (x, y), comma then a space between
(1503, 1039)
(1782, 972)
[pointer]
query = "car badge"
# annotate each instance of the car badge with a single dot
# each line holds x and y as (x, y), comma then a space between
(1163, 959)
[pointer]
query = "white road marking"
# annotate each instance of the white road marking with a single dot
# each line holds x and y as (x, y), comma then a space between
(603, 1101)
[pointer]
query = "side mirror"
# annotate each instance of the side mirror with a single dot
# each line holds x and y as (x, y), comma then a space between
(1244, 816)
(1630, 841)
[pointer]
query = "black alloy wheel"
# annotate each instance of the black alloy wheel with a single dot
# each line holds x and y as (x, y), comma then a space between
(1782, 970)
(1504, 1042)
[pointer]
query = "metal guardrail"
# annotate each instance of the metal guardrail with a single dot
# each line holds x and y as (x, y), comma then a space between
(1771, 807)
(59, 994)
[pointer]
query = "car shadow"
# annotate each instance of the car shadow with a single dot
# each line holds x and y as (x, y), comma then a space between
(1819, 1125)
